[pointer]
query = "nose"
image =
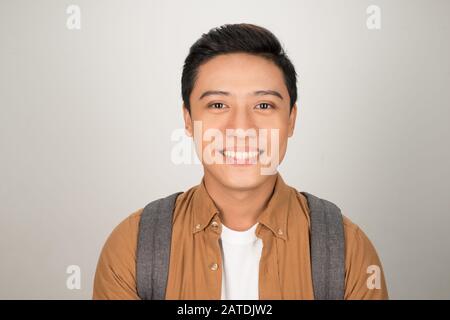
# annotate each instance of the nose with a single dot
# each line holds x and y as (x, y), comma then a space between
(241, 119)
(241, 126)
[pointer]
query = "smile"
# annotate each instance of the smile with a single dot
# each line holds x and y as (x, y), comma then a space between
(245, 157)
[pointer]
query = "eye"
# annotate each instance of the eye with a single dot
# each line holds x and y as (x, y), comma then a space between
(216, 105)
(264, 106)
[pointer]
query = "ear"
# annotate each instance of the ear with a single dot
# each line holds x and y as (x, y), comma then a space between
(187, 121)
(292, 118)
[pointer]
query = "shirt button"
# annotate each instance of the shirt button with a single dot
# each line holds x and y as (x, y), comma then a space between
(280, 232)
(214, 224)
(214, 266)
(197, 227)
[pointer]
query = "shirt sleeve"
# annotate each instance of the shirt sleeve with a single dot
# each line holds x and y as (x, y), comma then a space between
(364, 275)
(115, 277)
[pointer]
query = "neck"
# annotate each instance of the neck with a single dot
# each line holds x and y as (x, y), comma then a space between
(239, 209)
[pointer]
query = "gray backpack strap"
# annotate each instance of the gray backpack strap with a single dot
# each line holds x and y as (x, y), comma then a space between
(153, 248)
(327, 249)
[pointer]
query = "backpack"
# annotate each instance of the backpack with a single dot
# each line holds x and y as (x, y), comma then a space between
(327, 247)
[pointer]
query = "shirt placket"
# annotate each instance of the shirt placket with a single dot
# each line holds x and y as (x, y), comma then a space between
(213, 263)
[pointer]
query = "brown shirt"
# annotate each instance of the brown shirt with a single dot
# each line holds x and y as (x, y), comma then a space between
(285, 268)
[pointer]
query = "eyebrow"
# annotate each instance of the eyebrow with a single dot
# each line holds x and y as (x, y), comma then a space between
(255, 93)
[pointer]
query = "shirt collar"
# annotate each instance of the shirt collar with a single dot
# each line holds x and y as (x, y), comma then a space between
(204, 208)
(274, 215)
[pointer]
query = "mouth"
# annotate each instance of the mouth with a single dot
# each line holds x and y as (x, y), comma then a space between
(244, 157)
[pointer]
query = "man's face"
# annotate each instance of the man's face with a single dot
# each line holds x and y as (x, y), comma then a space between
(245, 92)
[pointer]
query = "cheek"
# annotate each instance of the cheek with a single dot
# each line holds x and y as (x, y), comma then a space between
(280, 124)
(211, 121)
(280, 140)
(208, 137)
(283, 144)
(278, 143)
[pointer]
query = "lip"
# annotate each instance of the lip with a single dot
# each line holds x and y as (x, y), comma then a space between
(242, 149)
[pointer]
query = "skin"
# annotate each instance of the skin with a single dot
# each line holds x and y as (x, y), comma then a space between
(240, 192)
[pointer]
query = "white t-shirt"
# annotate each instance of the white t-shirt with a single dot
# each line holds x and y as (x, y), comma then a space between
(241, 252)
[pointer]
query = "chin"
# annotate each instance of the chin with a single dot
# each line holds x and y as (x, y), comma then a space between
(239, 177)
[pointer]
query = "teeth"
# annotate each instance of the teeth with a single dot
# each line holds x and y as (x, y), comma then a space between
(240, 155)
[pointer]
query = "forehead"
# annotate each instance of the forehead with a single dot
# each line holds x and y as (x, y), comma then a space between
(239, 72)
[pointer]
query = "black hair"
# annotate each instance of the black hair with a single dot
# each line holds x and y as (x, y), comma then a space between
(237, 38)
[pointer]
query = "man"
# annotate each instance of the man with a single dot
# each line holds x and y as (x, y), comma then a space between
(242, 233)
